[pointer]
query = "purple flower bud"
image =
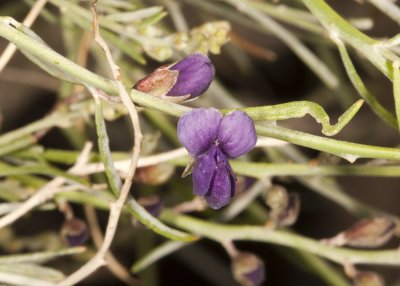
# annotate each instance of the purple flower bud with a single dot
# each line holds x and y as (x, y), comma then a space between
(196, 72)
(75, 232)
(248, 269)
(183, 80)
(212, 139)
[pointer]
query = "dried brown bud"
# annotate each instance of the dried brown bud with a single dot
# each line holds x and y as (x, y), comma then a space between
(155, 175)
(75, 232)
(248, 269)
(370, 232)
(159, 82)
(284, 206)
(367, 278)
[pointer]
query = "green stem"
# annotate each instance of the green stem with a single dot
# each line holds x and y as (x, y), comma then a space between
(40, 169)
(317, 266)
(298, 109)
(221, 233)
(10, 29)
(52, 120)
(261, 170)
(347, 150)
(16, 145)
(40, 257)
(396, 91)
(362, 90)
(156, 254)
(296, 17)
(339, 27)
(389, 8)
(139, 212)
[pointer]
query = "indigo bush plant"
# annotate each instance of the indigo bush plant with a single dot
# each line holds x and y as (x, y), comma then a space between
(216, 89)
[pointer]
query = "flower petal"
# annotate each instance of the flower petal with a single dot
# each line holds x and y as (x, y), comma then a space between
(198, 129)
(221, 189)
(203, 172)
(196, 72)
(237, 134)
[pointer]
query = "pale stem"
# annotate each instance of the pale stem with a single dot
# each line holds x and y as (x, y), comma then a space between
(47, 192)
(123, 165)
(116, 208)
(112, 263)
(28, 21)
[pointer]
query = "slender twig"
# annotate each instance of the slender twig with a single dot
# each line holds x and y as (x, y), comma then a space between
(230, 248)
(245, 199)
(222, 233)
(123, 165)
(28, 21)
(112, 263)
(177, 16)
(115, 209)
(389, 8)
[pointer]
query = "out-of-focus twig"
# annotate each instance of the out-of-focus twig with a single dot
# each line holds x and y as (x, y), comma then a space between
(28, 21)
(112, 263)
(115, 209)
(47, 192)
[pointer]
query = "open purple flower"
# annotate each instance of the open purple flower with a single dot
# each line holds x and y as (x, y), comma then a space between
(212, 139)
(186, 79)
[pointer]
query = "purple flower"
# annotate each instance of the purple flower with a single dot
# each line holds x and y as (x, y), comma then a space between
(183, 80)
(212, 139)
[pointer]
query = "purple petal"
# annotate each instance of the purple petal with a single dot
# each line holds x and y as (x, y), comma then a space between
(203, 172)
(221, 188)
(196, 72)
(237, 134)
(198, 129)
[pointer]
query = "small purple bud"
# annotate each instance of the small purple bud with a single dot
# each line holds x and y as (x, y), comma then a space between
(248, 269)
(75, 232)
(196, 72)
